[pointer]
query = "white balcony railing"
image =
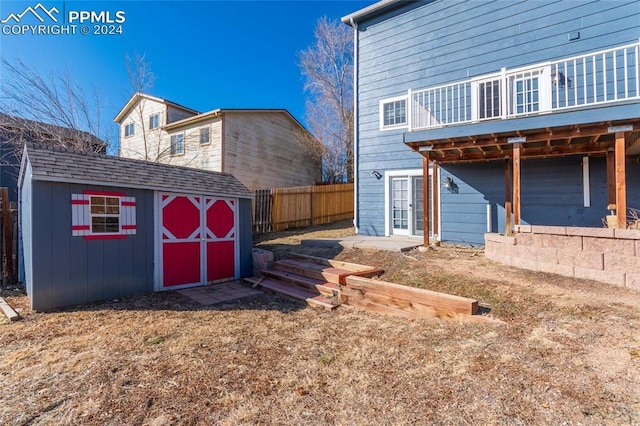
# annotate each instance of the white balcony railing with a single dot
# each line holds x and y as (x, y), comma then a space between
(597, 78)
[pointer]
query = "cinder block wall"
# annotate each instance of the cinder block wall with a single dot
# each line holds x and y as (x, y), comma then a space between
(610, 256)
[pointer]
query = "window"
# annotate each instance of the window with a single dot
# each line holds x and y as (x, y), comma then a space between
(489, 99)
(393, 113)
(129, 130)
(103, 215)
(177, 144)
(527, 96)
(154, 121)
(204, 135)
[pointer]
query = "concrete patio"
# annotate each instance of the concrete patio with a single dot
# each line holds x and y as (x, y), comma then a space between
(363, 242)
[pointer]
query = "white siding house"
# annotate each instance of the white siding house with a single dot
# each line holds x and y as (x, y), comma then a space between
(263, 148)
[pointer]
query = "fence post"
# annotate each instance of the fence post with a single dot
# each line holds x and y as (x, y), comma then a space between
(7, 235)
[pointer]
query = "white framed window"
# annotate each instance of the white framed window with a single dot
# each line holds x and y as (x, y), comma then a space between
(489, 94)
(129, 130)
(393, 113)
(204, 135)
(103, 215)
(177, 144)
(154, 121)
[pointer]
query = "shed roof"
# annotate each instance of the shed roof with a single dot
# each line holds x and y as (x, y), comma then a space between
(56, 165)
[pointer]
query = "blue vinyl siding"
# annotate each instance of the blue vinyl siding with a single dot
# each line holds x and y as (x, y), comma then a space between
(427, 44)
(551, 194)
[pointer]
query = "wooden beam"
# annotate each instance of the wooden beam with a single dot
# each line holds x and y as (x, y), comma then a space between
(435, 194)
(425, 200)
(516, 183)
(407, 298)
(507, 197)
(535, 152)
(540, 135)
(621, 181)
(611, 178)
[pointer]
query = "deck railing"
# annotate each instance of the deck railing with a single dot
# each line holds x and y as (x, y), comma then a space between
(602, 77)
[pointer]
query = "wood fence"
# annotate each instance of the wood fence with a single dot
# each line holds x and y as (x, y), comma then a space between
(8, 241)
(284, 208)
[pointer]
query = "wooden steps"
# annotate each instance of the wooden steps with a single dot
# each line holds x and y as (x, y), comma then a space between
(292, 291)
(326, 283)
(312, 279)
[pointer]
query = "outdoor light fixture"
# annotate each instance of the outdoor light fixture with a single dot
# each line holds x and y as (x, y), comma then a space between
(377, 174)
(559, 79)
(450, 185)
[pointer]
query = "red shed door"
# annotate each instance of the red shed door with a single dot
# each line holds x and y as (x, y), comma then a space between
(197, 240)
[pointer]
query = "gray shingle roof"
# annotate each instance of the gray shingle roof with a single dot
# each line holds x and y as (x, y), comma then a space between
(57, 165)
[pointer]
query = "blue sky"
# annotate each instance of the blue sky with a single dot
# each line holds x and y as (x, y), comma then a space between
(204, 54)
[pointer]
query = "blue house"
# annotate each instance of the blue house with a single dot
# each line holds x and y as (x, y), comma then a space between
(497, 113)
(96, 227)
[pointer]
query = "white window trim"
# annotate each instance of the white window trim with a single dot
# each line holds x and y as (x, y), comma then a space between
(586, 182)
(381, 113)
(184, 147)
(133, 130)
(150, 117)
(387, 196)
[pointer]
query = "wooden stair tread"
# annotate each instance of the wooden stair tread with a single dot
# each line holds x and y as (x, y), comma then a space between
(298, 293)
(299, 279)
(309, 266)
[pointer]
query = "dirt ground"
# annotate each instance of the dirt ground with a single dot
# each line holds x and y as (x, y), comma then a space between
(565, 351)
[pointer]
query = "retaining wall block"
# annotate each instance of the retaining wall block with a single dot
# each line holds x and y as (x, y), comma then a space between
(561, 242)
(591, 232)
(620, 263)
(627, 234)
(537, 254)
(553, 268)
(609, 277)
(523, 263)
(530, 240)
(552, 230)
(633, 282)
(584, 259)
(606, 245)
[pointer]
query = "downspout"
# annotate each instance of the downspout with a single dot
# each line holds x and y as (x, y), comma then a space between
(356, 220)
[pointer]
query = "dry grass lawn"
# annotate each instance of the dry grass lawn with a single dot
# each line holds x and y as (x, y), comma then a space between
(567, 352)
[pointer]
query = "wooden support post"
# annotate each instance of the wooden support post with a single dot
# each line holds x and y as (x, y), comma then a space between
(436, 198)
(516, 183)
(425, 199)
(621, 181)
(507, 197)
(611, 178)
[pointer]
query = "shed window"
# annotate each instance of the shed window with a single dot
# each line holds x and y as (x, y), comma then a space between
(393, 113)
(100, 215)
(177, 144)
(129, 130)
(105, 215)
(154, 121)
(204, 135)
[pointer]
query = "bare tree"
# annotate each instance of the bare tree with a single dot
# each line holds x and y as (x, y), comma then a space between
(327, 69)
(47, 107)
(152, 144)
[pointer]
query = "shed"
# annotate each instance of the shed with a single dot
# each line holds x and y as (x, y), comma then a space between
(96, 227)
